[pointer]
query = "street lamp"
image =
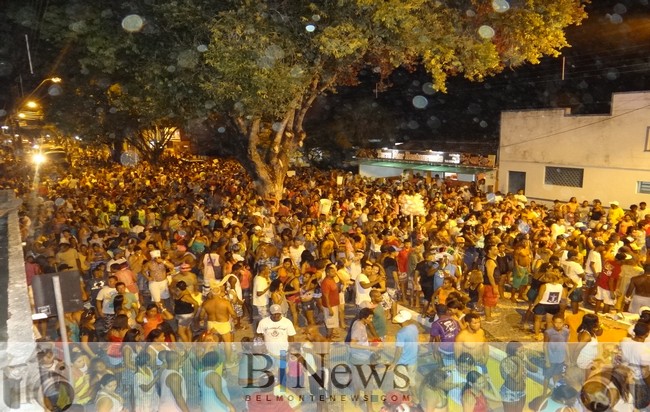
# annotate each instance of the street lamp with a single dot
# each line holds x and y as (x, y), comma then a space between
(28, 107)
(49, 79)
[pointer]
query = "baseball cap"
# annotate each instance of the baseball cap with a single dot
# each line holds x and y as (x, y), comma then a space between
(402, 316)
(614, 202)
(275, 309)
(393, 248)
(643, 309)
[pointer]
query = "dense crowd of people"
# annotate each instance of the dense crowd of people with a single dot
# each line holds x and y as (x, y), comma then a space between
(190, 252)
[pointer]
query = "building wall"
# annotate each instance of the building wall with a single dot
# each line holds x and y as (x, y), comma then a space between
(378, 171)
(610, 148)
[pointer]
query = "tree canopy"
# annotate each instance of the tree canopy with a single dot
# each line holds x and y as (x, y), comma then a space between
(255, 67)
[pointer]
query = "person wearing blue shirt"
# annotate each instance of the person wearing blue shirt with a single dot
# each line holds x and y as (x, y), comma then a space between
(406, 352)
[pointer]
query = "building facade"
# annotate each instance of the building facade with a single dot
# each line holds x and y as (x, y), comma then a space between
(552, 154)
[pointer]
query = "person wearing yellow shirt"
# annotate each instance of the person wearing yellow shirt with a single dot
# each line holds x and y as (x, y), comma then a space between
(615, 213)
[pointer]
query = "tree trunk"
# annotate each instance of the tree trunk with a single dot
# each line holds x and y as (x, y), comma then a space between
(267, 162)
(267, 167)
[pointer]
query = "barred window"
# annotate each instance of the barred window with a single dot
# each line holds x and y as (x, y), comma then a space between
(643, 188)
(563, 176)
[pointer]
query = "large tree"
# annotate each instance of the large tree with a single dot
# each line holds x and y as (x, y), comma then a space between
(271, 59)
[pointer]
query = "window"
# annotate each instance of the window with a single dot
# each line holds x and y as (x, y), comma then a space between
(563, 176)
(643, 188)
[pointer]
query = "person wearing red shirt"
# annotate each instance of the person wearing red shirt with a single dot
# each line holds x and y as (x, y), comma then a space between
(330, 300)
(607, 283)
(402, 267)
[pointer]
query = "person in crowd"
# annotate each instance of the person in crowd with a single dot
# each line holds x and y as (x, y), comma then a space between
(514, 369)
(556, 351)
(185, 308)
(406, 351)
(213, 387)
(107, 399)
(145, 393)
(276, 330)
(586, 350)
(173, 389)
(473, 341)
(478, 392)
(432, 395)
(443, 334)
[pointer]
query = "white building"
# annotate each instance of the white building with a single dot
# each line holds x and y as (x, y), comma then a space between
(552, 154)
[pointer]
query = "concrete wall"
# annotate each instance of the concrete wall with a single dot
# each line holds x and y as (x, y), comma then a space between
(610, 148)
(17, 358)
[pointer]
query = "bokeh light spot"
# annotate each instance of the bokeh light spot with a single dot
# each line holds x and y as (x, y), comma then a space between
(129, 158)
(420, 102)
(427, 88)
(486, 31)
(620, 8)
(500, 6)
(616, 18)
(54, 90)
(132, 23)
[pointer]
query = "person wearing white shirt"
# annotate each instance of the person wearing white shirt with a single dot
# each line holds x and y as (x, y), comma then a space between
(296, 249)
(576, 273)
(261, 285)
(362, 285)
(635, 354)
(593, 267)
(277, 330)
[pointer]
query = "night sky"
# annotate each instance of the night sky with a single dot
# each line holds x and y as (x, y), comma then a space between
(610, 53)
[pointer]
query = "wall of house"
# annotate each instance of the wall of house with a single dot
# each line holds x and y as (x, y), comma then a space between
(612, 149)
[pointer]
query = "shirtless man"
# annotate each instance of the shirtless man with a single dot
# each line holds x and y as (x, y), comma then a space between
(473, 341)
(218, 310)
(155, 271)
(638, 293)
(523, 256)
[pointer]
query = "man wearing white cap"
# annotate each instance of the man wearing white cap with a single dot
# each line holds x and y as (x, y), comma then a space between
(156, 272)
(406, 351)
(277, 331)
